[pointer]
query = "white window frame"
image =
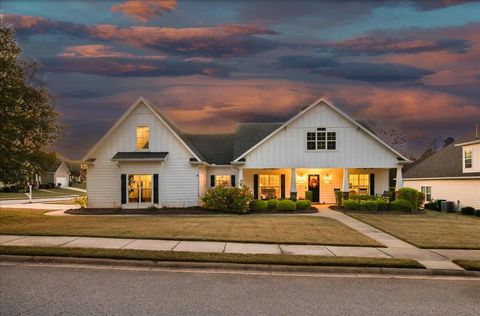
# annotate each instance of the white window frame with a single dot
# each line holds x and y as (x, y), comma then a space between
(357, 175)
(325, 141)
(470, 159)
(140, 189)
(136, 138)
(226, 183)
(428, 195)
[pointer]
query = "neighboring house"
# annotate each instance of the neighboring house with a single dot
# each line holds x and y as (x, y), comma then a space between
(144, 159)
(451, 174)
(77, 174)
(58, 174)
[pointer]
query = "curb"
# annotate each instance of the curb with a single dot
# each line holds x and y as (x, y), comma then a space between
(266, 268)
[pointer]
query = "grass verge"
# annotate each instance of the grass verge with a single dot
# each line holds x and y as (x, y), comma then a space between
(470, 265)
(210, 257)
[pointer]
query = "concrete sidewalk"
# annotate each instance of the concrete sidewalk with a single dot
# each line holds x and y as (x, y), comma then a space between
(26, 202)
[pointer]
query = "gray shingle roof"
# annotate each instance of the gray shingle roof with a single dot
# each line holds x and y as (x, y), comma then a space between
(445, 163)
(147, 155)
(249, 134)
(215, 148)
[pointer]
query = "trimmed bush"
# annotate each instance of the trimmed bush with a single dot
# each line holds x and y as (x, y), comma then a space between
(468, 210)
(272, 204)
(477, 212)
(286, 205)
(338, 197)
(309, 195)
(258, 205)
(369, 206)
(303, 204)
(351, 205)
(401, 205)
(409, 194)
(351, 194)
(223, 198)
(382, 205)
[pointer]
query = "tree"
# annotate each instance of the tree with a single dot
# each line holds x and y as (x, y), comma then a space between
(393, 137)
(447, 141)
(27, 117)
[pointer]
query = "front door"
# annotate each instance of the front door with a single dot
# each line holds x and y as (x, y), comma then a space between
(314, 186)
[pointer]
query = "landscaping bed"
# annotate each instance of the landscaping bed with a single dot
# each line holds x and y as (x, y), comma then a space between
(210, 257)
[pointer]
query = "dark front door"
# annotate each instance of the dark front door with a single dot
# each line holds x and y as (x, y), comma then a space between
(314, 186)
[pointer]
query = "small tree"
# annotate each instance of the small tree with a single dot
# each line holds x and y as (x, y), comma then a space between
(393, 137)
(27, 117)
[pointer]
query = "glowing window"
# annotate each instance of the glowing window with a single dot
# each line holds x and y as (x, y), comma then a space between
(143, 135)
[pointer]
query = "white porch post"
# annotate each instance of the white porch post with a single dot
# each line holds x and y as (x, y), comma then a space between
(346, 187)
(293, 183)
(240, 177)
(399, 181)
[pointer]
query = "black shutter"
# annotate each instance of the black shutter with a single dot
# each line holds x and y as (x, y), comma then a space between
(372, 184)
(123, 188)
(155, 188)
(282, 186)
(255, 186)
(212, 181)
(232, 180)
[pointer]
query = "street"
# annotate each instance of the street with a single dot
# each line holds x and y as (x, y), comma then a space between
(87, 290)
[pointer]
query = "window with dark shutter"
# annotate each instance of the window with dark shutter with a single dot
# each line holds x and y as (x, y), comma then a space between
(372, 184)
(232, 180)
(212, 181)
(123, 188)
(255, 186)
(282, 186)
(155, 189)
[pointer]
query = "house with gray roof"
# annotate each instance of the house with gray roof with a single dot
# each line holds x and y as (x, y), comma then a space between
(147, 160)
(452, 174)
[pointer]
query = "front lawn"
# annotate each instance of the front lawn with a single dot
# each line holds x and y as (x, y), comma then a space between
(429, 230)
(252, 228)
(38, 194)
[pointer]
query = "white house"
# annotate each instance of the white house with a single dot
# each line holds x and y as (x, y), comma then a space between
(59, 174)
(145, 159)
(451, 174)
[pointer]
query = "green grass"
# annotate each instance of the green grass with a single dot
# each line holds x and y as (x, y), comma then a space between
(252, 228)
(80, 185)
(38, 194)
(470, 265)
(429, 230)
(210, 257)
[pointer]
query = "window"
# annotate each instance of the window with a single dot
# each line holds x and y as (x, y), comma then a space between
(143, 135)
(428, 193)
(139, 188)
(222, 181)
(468, 158)
(360, 183)
(321, 140)
(269, 186)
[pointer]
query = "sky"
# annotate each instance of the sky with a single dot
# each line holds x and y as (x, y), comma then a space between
(410, 65)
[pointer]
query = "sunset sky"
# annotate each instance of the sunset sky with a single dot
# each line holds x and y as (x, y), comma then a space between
(209, 64)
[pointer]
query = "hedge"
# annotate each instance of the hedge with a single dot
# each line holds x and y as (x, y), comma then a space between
(401, 205)
(259, 205)
(303, 204)
(286, 205)
(272, 204)
(410, 195)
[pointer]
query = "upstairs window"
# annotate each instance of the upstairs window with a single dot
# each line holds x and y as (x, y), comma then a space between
(468, 158)
(321, 139)
(143, 135)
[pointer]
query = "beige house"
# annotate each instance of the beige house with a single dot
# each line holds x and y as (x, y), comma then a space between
(145, 159)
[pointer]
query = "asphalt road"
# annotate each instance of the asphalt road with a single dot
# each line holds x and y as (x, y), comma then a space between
(54, 290)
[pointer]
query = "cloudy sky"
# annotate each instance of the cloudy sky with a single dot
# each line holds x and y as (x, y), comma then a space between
(209, 64)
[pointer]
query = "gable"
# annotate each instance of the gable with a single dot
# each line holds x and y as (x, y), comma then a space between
(356, 146)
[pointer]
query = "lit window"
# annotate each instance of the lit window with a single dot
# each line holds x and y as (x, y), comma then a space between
(269, 186)
(360, 183)
(143, 134)
(428, 193)
(222, 181)
(468, 158)
(139, 188)
(321, 140)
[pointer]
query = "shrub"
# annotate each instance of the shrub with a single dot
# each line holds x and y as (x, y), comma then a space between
(351, 205)
(309, 195)
(401, 205)
(81, 201)
(338, 198)
(369, 206)
(351, 194)
(468, 210)
(272, 204)
(259, 205)
(303, 204)
(477, 212)
(286, 205)
(409, 194)
(382, 205)
(421, 198)
(223, 198)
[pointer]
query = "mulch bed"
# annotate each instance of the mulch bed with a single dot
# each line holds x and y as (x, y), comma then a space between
(341, 209)
(175, 211)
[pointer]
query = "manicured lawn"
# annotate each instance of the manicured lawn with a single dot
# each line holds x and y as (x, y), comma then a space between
(38, 194)
(470, 265)
(252, 228)
(80, 185)
(429, 230)
(210, 257)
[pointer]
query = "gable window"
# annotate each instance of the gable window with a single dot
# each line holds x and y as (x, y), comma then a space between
(143, 135)
(222, 181)
(427, 190)
(269, 186)
(359, 183)
(468, 158)
(321, 139)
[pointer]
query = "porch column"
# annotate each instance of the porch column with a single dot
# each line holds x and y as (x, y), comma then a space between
(240, 177)
(399, 181)
(346, 187)
(293, 183)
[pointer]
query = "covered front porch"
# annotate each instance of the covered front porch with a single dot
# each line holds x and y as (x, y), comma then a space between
(270, 183)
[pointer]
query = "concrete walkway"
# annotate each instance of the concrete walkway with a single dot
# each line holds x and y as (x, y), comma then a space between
(26, 202)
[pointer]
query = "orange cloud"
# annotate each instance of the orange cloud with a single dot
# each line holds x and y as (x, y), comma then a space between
(144, 10)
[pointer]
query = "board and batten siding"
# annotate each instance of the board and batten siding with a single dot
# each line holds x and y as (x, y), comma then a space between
(178, 179)
(355, 148)
(467, 191)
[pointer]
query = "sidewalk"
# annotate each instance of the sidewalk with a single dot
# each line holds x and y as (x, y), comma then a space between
(15, 203)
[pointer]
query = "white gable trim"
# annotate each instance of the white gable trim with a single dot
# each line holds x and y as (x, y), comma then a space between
(302, 112)
(124, 117)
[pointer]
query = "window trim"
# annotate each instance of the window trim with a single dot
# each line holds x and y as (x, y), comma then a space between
(325, 141)
(422, 187)
(136, 138)
(140, 188)
(470, 153)
(351, 187)
(260, 175)
(228, 181)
